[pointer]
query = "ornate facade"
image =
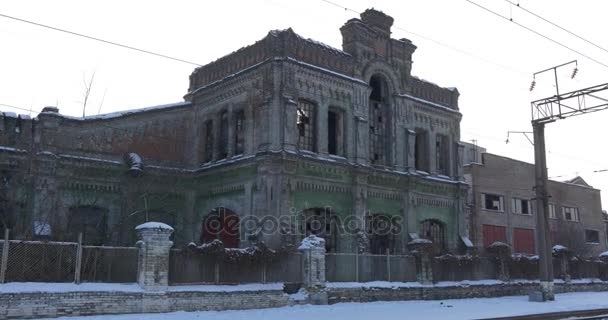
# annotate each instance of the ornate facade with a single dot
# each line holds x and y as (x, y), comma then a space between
(288, 127)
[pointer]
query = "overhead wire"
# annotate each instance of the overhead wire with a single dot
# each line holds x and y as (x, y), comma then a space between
(99, 39)
(437, 42)
(557, 26)
(537, 33)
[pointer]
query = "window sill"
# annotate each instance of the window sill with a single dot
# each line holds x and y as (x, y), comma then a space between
(491, 210)
(523, 214)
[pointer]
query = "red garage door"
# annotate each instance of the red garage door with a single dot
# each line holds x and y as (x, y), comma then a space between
(523, 240)
(492, 234)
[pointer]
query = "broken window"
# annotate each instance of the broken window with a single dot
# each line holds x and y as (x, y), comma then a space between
(570, 213)
(521, 206)
(381, 233)
(208, 141)
(421, 150)
(492, 202)
(306, 125)
(320, 222)
(592, 236)
(223, 147)
(335, 132)
(239, 132)
(378, 121)
(442, 154)
(433, 230)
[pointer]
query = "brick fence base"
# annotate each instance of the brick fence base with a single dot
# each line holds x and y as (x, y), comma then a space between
(50, 304)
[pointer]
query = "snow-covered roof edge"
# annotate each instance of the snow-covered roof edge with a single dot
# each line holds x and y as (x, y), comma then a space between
(123, 113)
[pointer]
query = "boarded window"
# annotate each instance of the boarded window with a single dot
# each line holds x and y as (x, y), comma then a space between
(493, 234)
(306, 126)
(523, 240)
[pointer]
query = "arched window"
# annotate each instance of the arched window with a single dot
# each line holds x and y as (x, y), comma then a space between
(306, 116)
(91, 221)
(378, 121)
(434, 230)
(320, 222)
(222, 224)
(380, 230)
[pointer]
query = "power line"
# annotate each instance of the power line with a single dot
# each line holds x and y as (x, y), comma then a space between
(537, 33)
(18, 108)
(556, 25)
(100, 40)
(464, 52)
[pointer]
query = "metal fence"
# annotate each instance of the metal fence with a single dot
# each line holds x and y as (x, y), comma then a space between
(187, 267)
(350, 267)
(48, 261)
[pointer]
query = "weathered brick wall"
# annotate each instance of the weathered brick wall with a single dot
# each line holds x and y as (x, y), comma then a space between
(368, 294)
(35, 305)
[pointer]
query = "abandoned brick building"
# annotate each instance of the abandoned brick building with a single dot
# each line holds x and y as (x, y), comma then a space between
(503, 209)
(286, 127)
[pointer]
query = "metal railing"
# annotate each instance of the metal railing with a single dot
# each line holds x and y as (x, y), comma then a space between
(353, 267)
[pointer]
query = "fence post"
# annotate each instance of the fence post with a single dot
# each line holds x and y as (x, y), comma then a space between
(313, 269)
(357, 266)
(78, 259)
(388, 264)
(5, 248)
(154, 248)
(264, 272)
(216, 272)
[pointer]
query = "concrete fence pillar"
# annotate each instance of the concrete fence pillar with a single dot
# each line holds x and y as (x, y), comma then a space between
(153, 263)
(422, 249)
(313, 268)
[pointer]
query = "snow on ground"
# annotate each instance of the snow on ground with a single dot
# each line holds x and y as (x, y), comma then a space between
(445, 309)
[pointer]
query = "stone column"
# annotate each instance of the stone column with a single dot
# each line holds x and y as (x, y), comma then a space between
(290, 130)
(153, 264)
(459, 172)
(313, 268)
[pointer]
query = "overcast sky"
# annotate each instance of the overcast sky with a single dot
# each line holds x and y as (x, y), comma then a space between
(40, 67)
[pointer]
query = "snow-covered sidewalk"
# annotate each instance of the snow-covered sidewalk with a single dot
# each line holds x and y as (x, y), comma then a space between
(446, 309)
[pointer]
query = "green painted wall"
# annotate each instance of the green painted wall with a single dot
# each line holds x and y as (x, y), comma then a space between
(341, 203)
(389, 207)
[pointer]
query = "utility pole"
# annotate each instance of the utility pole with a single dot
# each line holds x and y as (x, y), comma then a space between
(546, 111)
